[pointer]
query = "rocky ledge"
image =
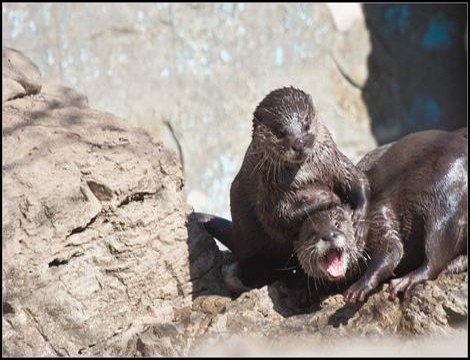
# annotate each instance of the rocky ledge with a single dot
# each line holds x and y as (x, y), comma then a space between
(100, 256)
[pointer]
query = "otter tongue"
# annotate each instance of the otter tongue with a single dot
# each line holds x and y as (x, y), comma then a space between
(334, 264)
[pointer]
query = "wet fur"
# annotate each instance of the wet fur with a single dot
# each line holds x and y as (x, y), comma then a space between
(277, 188)
(315, 240)
(418, 215)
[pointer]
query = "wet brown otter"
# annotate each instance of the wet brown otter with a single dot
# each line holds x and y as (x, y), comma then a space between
(292, 168)
(418, 215)
(418, 208)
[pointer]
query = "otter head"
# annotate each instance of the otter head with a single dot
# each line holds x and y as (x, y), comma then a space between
(326, 247)
(284, 125)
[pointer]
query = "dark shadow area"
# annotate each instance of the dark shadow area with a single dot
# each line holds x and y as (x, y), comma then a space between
(205, 261)
(48, 104)
(290, 301)
(417, 68)
(69, 112)
(291, 292)
(342, 315)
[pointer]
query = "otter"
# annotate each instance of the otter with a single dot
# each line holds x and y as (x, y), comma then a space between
(417, 225)
(417, 221)
(292, 168)
(326, 247)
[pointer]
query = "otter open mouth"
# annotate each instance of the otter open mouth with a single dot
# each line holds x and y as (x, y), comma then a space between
(333, 264)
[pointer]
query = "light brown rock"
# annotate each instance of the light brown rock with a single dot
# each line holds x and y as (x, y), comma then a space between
(20, 75)
(95, 242)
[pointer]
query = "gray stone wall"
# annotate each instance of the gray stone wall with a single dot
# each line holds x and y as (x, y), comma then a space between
(192, 74)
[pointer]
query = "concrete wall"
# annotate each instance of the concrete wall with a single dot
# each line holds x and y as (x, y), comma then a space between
(196, 72)
(192, 74)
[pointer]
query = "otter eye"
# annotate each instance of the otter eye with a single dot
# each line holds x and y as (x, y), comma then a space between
(337, 225)
(280, 133)
(307, 127)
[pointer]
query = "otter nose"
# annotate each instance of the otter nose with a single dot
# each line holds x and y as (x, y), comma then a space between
(331, 236)
(298, 145)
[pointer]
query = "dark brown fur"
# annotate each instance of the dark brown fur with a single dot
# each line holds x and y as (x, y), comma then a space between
(324, 232)
(418, 209)
(292, 168)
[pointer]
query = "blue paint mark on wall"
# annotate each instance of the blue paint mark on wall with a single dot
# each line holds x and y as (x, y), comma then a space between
(396, 19)
(423, 112)
(439, 33)
(17, 19)
(225, 56)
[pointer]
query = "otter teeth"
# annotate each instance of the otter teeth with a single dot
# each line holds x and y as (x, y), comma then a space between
(333, 263)
(338, 251)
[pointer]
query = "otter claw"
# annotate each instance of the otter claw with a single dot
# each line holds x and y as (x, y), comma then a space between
(399, 285)
(357, 292)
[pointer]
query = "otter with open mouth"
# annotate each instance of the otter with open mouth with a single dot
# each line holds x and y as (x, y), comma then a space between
(291, 169)
(326, 247)
(417, 223)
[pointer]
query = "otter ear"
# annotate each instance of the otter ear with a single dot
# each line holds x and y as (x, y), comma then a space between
(313, 107)
(310, 99)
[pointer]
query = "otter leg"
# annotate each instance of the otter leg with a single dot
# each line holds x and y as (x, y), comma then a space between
(387, 251)
(232, 280)
(438, 258)
(246, 274)
(405, 283)
(457, 265)
(353, 187)
(316, 201)
(460, 262)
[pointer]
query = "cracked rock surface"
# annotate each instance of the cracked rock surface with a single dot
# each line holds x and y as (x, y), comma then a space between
(100, 257)
(95, 243)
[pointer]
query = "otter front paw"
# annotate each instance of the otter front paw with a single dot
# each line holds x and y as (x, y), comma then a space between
(404, 284)
(358, 291)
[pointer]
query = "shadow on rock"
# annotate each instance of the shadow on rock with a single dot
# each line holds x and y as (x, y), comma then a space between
(205, 261)
(343, 315)
(290, 294)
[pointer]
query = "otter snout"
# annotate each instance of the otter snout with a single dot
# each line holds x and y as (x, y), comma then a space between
(298, 145)
(332, 237)
(298, 148)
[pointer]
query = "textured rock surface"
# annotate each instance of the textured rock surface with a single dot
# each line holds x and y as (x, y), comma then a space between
(197, 71)
(94, 235)
(99, 258)
(20, 75)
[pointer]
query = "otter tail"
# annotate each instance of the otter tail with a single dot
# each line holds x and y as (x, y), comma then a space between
(217, 227)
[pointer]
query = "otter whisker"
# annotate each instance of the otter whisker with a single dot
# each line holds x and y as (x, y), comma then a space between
(290, 257)
(285, 268)
(317, 280)
(308, 286)
(260, 163)
(279, 168)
